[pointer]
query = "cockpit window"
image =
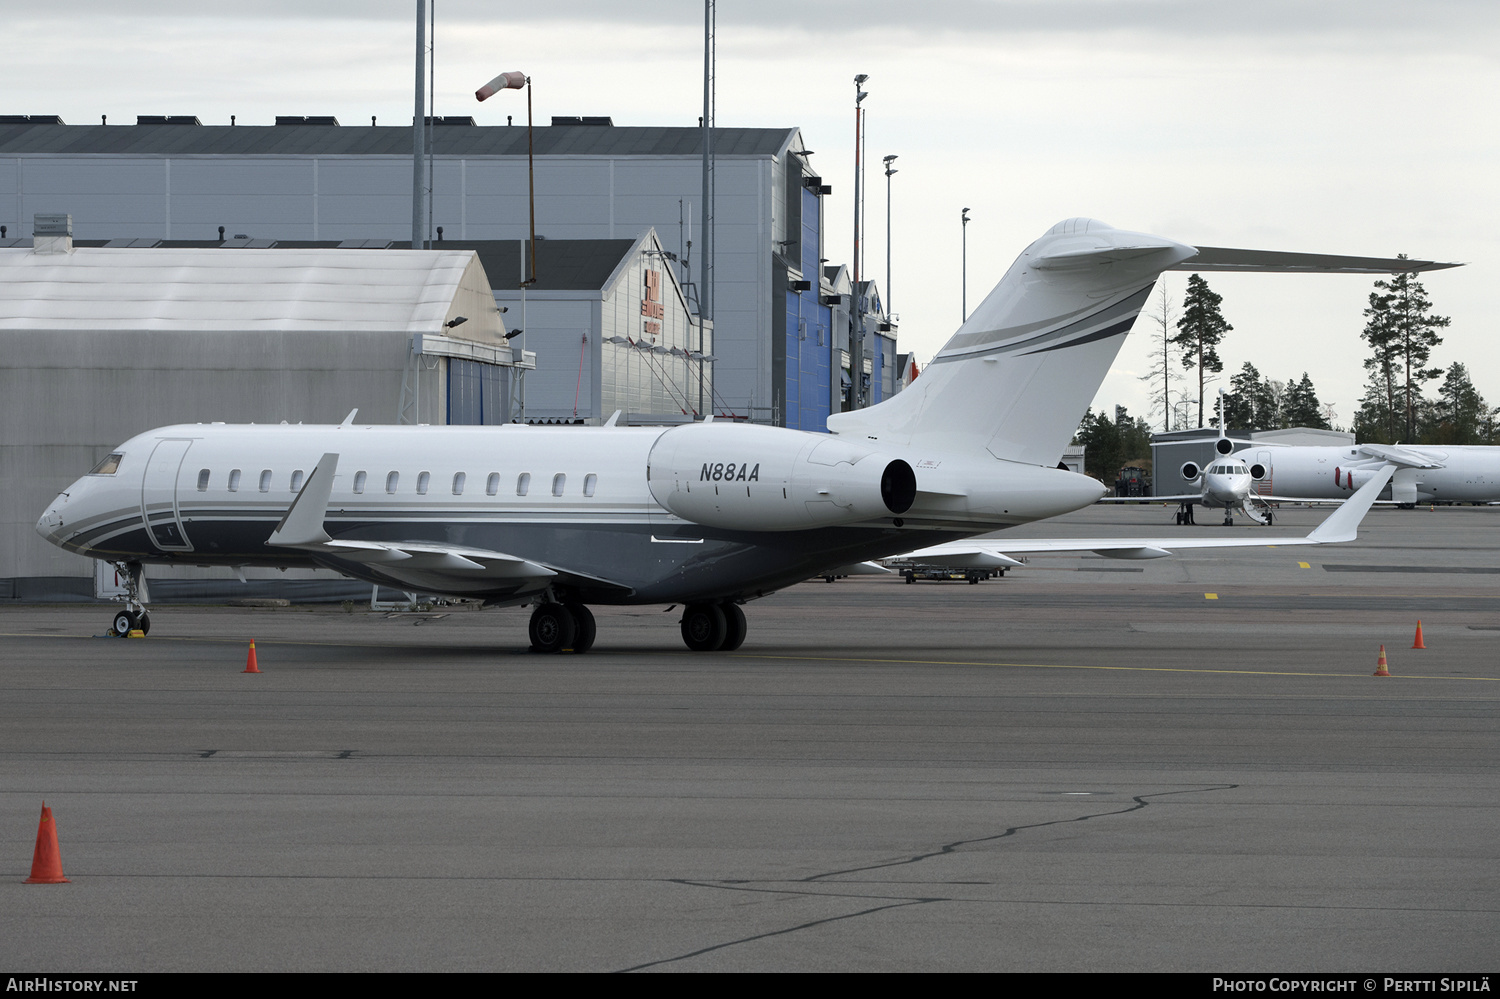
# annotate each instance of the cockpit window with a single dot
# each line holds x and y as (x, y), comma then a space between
(109, 466)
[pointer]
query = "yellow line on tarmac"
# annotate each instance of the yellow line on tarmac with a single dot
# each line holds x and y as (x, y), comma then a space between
(1124, 669)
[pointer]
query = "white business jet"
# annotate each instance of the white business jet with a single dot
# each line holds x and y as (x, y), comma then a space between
(1226, 483)
(708, 515)
(1424, 473)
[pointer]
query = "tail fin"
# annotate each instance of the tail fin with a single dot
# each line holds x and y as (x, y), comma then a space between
(1018, 376)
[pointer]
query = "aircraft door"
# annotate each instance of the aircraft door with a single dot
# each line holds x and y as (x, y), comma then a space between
(159, 507)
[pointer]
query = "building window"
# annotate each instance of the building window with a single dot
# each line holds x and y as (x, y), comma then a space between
(523, 484)
(458, 483)
(422, 479)
(234, 480)
(492, 484)
(203, 480)
(589, 482)
(558, 482)
(296, 480)
(265, 480)
(359, 482)
(391, 481)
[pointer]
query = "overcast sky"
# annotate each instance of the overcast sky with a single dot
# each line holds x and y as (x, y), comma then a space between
(1339, 126)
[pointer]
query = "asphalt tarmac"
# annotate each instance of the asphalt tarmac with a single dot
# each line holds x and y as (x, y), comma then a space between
(1089, 764)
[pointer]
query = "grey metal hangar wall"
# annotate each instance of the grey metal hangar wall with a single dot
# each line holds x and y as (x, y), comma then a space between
(103, 343)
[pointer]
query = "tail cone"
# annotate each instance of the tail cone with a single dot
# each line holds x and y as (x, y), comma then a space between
(250, 666)
(46, 862)
(1381, 669)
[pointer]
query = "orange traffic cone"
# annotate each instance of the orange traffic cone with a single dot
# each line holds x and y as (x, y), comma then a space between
(250, 666)
(1380, 669)
(46, 862)
(1418, 644)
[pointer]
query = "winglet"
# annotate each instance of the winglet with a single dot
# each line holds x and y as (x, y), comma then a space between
(349, 420)
(1343, 523)
(303, 523)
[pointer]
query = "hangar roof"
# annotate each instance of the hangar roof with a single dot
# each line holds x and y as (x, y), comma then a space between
(366, 140)
(237, 290)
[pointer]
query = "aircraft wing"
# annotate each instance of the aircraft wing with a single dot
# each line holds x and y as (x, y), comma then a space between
(1339, 526)
(1184, 498)
(1398, 455)
(424, 565)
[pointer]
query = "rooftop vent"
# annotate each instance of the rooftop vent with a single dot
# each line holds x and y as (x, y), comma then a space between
(53, 233)
(311, 119)
(167, 119)
(560, 119)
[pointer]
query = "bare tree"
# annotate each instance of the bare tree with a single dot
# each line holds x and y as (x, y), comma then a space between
(1163, 372)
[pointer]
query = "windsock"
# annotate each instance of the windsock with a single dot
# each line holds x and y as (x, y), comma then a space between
(505, 81)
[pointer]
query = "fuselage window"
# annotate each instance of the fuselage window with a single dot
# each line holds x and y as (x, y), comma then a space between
(109, 466)
(523, 484)
(558, 482)
(458, 483)
(422, 479)
(203, 480)
(492, 484)
(234, 480)
(391, 481)
(589, 482)
(296, 480)
(265, 480)
(359, 482)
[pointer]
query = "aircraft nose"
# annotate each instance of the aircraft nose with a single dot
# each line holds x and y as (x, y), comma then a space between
(51, 522)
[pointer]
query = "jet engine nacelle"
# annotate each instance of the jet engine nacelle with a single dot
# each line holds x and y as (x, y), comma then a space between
(1223, 445)
(1257, 471)
(754, 478)
(1190, 470)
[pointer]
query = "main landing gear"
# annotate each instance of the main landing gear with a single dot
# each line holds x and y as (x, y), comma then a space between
(133, 616)
(562, 628)
(713, 627)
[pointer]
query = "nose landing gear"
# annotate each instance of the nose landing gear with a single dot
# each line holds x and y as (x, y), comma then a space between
(134, 615)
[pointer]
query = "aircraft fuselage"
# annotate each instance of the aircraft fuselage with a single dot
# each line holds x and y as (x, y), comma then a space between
(761, 507)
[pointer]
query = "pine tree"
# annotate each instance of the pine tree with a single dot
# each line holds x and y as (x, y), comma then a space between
(1460, 415)
(1240, 401)
(1401, 331)
(1200, 330)
(1301, 407)
(1375, 422)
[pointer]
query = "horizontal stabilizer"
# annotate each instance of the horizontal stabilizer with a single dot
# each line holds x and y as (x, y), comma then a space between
(1220, 258)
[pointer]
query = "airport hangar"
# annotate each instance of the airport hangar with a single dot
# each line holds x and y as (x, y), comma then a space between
(781, 317)
(587, 302)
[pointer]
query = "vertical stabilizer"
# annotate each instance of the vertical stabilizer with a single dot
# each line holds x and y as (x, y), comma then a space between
(1017, 378)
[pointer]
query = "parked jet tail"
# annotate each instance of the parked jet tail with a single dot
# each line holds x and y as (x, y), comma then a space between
(1018, 376)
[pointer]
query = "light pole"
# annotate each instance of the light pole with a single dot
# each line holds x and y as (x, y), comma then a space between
(857, 307)
(517, 81)
(888, 171)
(964, 220)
